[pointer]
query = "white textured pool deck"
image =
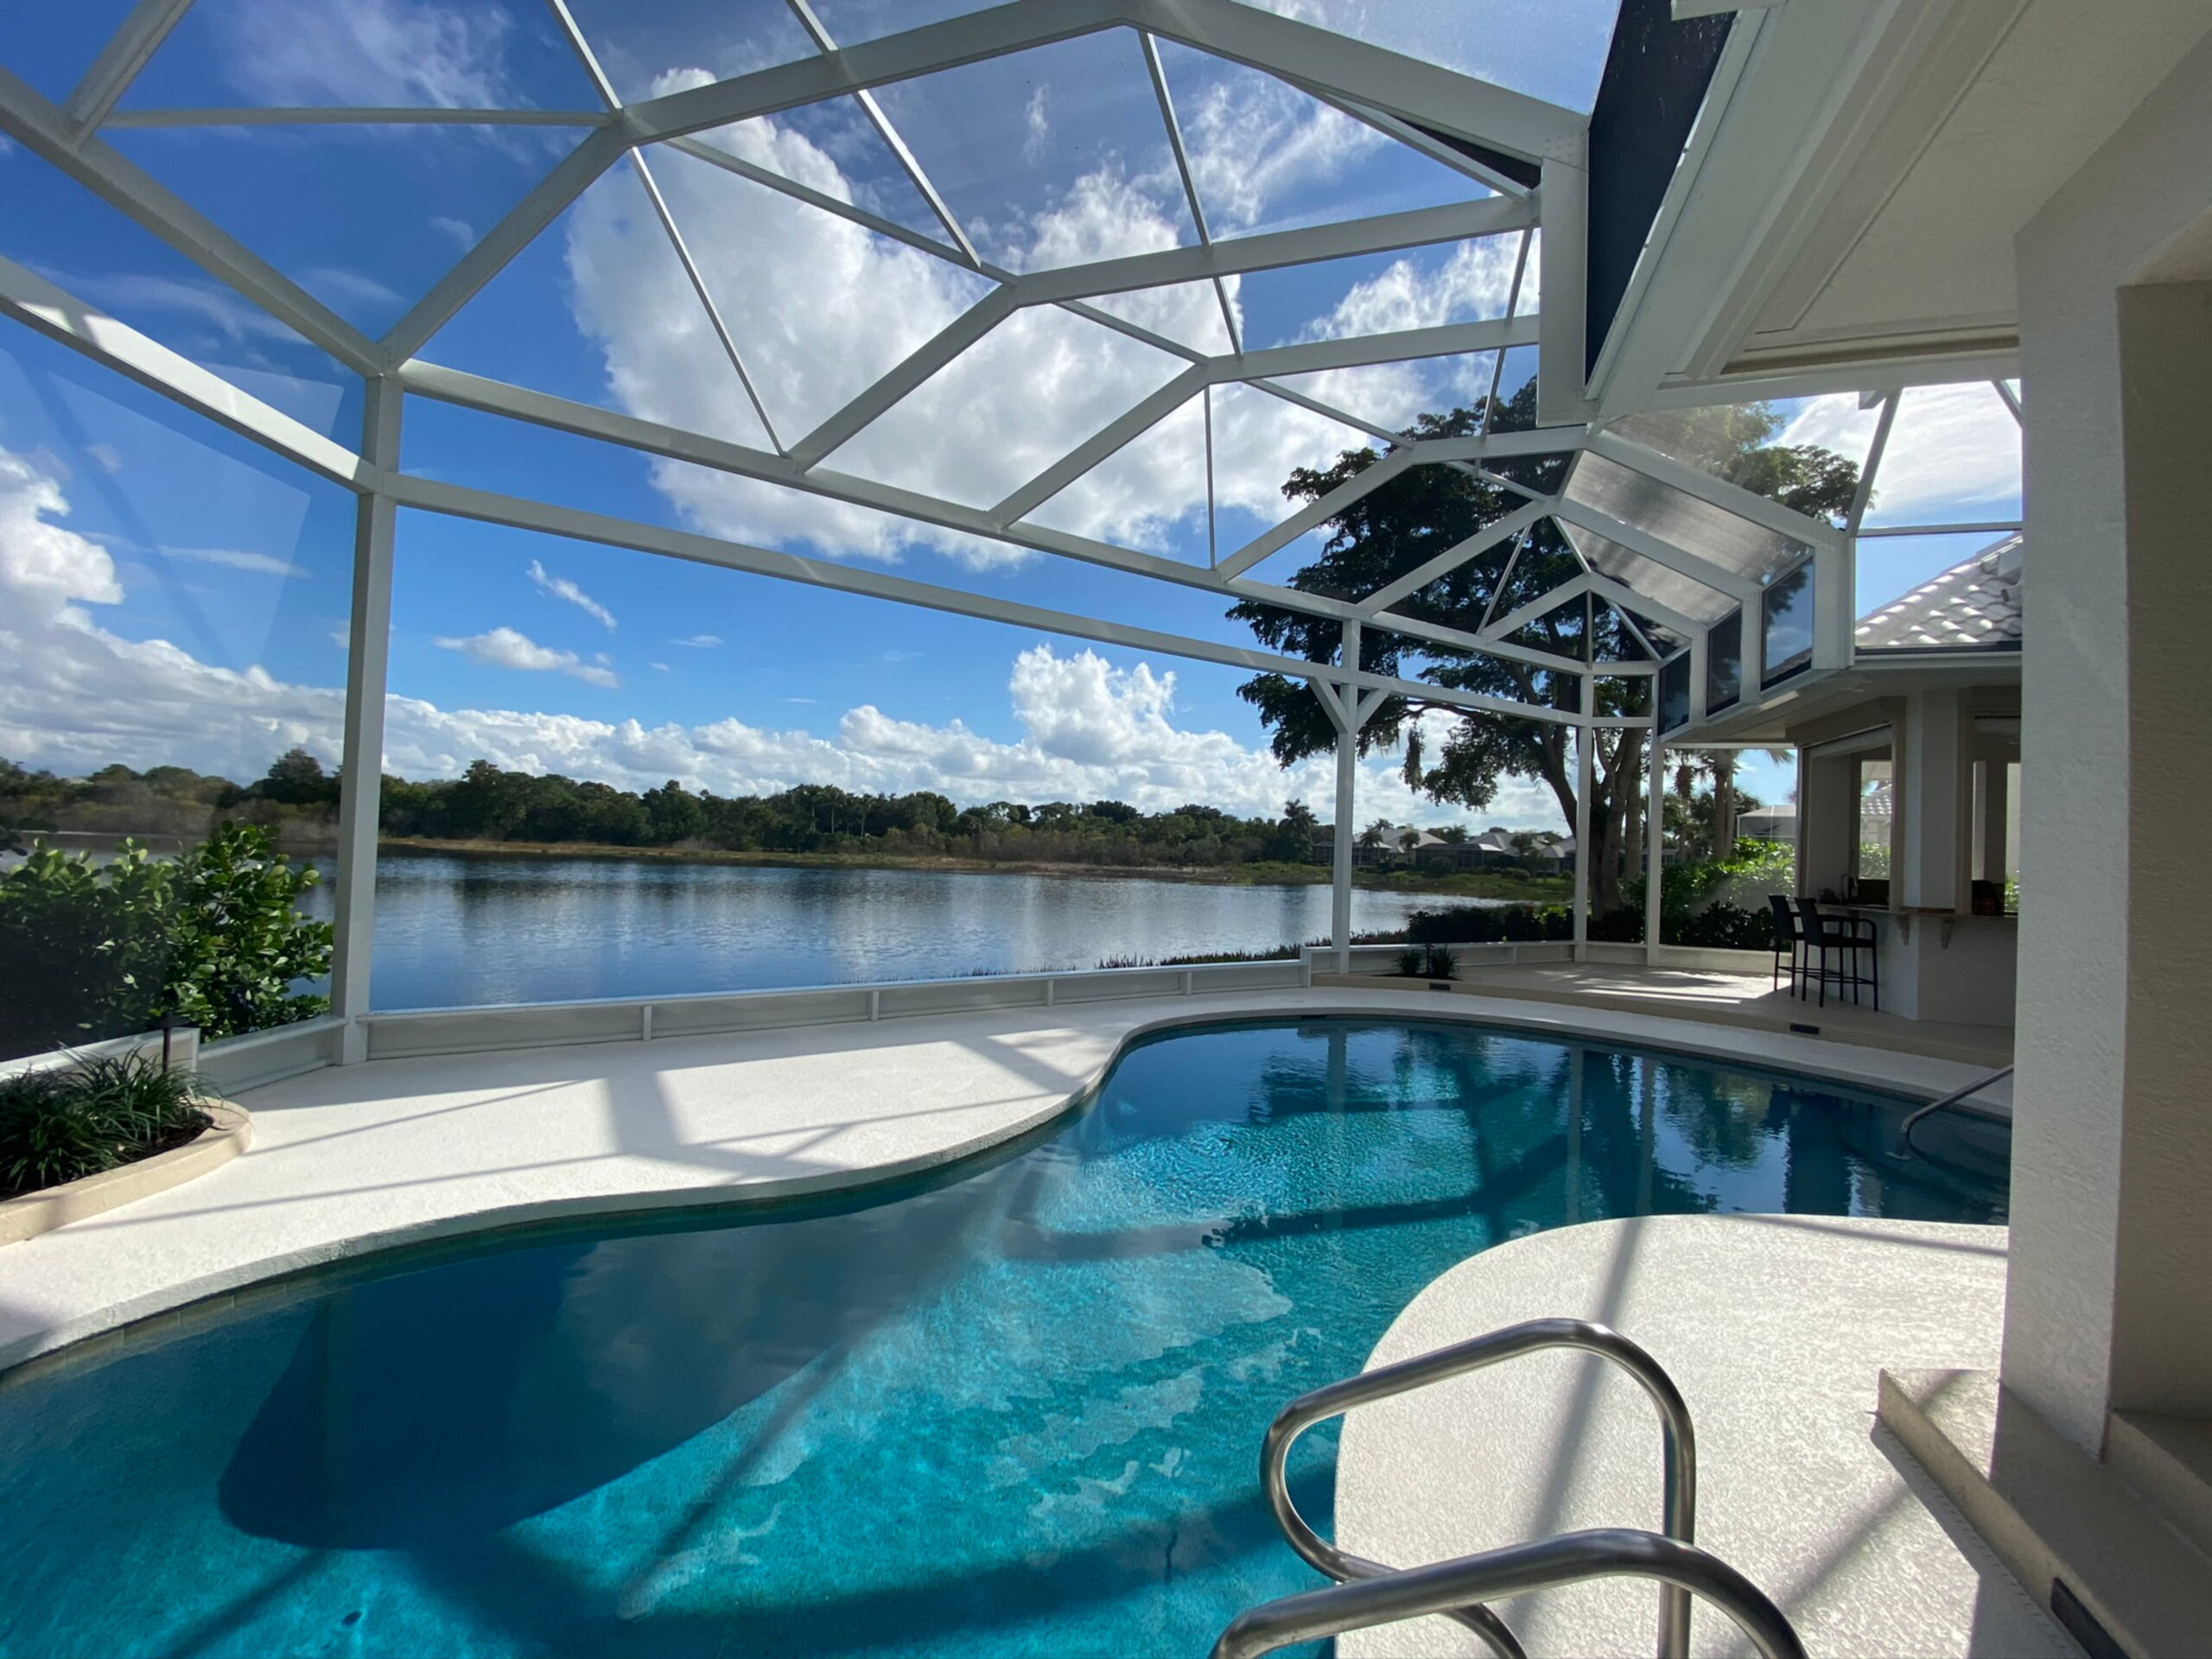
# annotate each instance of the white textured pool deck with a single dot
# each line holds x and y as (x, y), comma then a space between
(350, 1159)
(1773, 1327)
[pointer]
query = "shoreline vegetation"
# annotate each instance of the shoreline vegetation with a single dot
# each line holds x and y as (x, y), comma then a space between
(488, 812)
(1505, 888)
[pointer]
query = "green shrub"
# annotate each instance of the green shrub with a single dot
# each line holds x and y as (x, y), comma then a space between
(213, 938)
(1723, 905)
(1490, 924)
(58, 1126)
(1441, 963)
(1413, 962)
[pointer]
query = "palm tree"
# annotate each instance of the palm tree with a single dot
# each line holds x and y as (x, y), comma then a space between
(1719, 764)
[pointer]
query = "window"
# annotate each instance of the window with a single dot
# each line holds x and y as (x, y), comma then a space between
(1674, 693)
(1788, 604)
(1724, 662)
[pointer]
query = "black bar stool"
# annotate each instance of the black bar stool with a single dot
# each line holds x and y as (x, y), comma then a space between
(1788, 939)
(1848, 940)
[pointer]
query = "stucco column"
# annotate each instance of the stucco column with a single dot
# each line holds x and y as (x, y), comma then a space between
(1585, 752)
(2108, 1305)
(1828, 821)
(1931, 789)
(1655, 847)
(1992, 814)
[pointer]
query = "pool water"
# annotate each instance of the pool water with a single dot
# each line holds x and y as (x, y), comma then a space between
(1016, 1410)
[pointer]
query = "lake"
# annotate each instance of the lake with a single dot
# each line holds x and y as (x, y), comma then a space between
(482, 928)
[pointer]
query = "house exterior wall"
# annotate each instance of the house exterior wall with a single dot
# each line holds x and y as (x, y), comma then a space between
(2111, 1239)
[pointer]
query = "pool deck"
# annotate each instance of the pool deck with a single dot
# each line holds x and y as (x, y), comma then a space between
(348, 1160)
(1773, 1327)
(1746, 1001)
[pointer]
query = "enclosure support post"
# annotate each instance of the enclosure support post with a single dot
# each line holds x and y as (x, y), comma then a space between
(368, 653)
(1340, 842)
(1655, 847)
(1348, 710)
(1586, 755)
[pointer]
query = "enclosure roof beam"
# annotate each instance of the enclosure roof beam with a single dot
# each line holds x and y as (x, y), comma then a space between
(1303, 359)
(925, 360)
(1361, 485)
(866, 98)
(1695, 481)
(1521, 519)
(547, 200)
(53, 137)
(486, 506)
(1117, 275)
(127, 51)
(700, 149)
(1451, 339)
(1190, 198)
(933, 46)
(1531, 441)
(1537, 608)
(1380, 233)
(30, 299)
(1625, 599)
(1660, 551)
(588, 420)
(1130, 425)
(1308, 57)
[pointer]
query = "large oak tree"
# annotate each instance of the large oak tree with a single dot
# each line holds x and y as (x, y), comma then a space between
(1401, 526)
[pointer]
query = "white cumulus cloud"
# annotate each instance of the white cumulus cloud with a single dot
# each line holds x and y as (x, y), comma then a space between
(821, 308)
(237, 558)
(47, 567)
(75, 696)
(562, 588)
(369, 52)
(1951, 449)
(1089, 731)
(507, 648)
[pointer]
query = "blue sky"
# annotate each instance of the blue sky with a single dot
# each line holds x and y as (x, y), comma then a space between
(177, 594)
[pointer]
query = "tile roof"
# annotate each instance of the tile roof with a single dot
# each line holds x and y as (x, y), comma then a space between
(1976, 602)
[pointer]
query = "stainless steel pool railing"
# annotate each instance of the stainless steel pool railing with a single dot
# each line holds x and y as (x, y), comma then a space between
(1679, 1504)
(1951, 1099)
(1449, 1587)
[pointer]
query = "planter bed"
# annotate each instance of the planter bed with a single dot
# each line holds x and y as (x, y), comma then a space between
(41, 1211)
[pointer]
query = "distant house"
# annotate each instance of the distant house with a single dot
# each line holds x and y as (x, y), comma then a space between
(1395, 844)
(1554, 853)
(1376, 851)
(1768, 823)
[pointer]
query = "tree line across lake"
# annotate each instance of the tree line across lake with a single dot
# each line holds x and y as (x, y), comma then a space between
(298, 799)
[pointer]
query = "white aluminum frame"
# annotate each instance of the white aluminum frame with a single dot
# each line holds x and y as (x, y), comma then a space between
(1399, 96)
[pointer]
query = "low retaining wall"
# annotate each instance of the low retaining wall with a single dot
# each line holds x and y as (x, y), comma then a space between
(34, 1213)
(266, 1057)
(240, 1063)
(183, 1051)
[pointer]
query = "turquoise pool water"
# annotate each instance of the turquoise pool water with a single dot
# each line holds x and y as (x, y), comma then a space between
(1015, 1411)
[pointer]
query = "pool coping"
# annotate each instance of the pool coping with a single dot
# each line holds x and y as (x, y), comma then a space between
(1743, 1310)
(135, 1293)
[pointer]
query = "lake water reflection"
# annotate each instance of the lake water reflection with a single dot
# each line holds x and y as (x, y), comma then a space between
(455, 931)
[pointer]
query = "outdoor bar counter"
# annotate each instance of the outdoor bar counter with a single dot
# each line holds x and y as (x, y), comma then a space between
(1943, 964)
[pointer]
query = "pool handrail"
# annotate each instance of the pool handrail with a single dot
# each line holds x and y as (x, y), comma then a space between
(1951, 1099)
(1678, 1435)
(1569, 1558)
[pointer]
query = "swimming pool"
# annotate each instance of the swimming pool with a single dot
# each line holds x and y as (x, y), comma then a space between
(1015, 1410)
